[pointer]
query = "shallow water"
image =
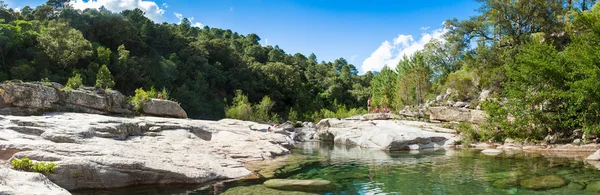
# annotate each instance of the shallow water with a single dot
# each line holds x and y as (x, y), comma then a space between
(364, 171)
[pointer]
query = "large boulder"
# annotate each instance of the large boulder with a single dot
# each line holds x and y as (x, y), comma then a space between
(96, 151)
(28, 95)
(300, 185)
(165, 108)
(96, 101)
(451, 114)
(19, 182)
(380, 134)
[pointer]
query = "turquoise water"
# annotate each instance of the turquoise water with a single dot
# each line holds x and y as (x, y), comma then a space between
(364, 171)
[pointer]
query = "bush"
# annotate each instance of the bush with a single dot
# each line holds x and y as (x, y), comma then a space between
(74, 82)
(469, 134)
(262, 111)
(139, 99)
(104, 78)
(292, 115)
(240, 109)
(26, 165)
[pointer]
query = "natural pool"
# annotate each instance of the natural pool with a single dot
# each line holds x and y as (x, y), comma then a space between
(445, 171)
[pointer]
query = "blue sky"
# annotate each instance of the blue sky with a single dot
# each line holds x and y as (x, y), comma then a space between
(369, 34)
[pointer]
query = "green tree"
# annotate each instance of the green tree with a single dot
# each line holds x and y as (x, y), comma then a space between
(63, 44)
(104, 78)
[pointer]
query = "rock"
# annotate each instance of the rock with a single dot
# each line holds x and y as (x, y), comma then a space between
(376, 116)
(19, 182)
(543, 182)
(260, 190)
(309, 125)
(460, 104)
(577, 141)
(593, 187)
(166, 108)
(576, 185)
(383, 135)
(439, 98)
(97, 101)
(28, 95)
(451, 114)
(484, 95)
(484, 146)
(304, 134)
(509, 141)
(96, 151)
(300, 185)
(595, 156)
(491, 152)
(506, 183)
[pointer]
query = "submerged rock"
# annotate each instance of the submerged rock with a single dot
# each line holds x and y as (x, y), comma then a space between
(261, 190)
(576, 185)
(544, 182)
(491, 152)
(300, 185)
(593, 187)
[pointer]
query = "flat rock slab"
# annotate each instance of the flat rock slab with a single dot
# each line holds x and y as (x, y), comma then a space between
(491, 152)
(18, 182)
(96, 151)
(300, 185)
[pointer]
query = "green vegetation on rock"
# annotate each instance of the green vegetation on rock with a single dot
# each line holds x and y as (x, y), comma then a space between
(25, 164)
(543, 182)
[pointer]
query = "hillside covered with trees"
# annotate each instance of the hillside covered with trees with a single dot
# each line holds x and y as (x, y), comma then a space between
(202, 68)
(540, 60)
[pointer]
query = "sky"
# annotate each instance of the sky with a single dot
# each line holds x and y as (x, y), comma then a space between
(368, 34)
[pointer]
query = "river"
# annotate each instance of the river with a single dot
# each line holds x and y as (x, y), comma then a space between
(442, 171)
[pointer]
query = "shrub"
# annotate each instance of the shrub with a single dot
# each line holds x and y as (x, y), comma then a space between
(74, 82)
(297, 125)
(240, 109)
(165, 94)
(25, 164)
(469, 134)
(292, 115)
(104, 78)
(139, 99)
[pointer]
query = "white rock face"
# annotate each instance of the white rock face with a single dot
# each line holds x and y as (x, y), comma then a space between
(381, 134)
(96, 151)
(18, 182)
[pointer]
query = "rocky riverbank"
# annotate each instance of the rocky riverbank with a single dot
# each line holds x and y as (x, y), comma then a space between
(96, 151)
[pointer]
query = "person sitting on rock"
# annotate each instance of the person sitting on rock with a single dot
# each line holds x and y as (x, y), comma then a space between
(376, 109)
(159, 96)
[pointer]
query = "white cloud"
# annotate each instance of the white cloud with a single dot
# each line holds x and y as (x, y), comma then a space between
(18, 9)
(153, 11)
(178, 15)
(266, 41)
(191, 19)
(390, 53)
(165, 5)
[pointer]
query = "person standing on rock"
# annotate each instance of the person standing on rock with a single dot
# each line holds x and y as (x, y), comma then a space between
(369, 105)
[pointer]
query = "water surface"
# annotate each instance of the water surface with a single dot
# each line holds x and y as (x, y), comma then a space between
(444, 171)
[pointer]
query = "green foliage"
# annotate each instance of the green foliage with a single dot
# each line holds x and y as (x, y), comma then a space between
(139, 99)
(165, 94)
(104, 78)
(262, 111)
(462, 84)
(468, 133)
(292, 115)
(240, 109)
(25, 164)
(74, 82)
(64, 44)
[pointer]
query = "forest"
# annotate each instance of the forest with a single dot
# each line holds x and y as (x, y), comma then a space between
(540, 60)
(201, 68)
